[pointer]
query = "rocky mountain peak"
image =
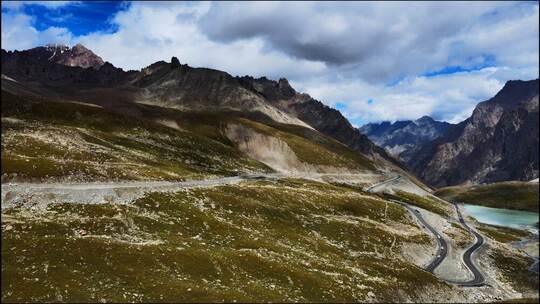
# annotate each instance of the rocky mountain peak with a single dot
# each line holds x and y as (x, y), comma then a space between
(78, 55)
(79, 49)
(57, 65)
(56, 46)
(285, 88)
(424, 120)
(403, 138)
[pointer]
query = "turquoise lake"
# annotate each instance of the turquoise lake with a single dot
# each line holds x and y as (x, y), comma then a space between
(502, 217)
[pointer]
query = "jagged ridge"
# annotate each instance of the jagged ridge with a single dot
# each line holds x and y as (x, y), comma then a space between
(403, 138)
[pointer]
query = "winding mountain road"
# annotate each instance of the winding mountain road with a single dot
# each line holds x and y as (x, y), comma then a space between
(442, 245)
(442, 249)
(478, 279)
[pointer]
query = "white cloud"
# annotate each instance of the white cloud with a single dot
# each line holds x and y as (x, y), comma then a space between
(379, 41)
(450, 97)
(148, 33)
(19, 33)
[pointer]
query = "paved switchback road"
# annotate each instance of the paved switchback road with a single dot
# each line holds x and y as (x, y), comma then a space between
(442, 245)
(478, 279)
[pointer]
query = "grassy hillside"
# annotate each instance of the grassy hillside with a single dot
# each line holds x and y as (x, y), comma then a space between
(508, 195)
(503, 234)
(59, 140)
(292, 240)
(514, 270)
(424, 202)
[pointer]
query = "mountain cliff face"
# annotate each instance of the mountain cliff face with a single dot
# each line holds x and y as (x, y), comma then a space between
(498, 142)
(402, 139)
(181, 86)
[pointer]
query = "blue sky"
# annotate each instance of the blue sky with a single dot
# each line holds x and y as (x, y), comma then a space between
(487, 61)
(373, 61)
(79, 17)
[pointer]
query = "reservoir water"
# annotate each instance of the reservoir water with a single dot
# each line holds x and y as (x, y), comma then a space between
(503, 217)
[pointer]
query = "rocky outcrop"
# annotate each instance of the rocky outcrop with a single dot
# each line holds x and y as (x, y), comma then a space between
(498, 142)
(175, 63)
(402, 139)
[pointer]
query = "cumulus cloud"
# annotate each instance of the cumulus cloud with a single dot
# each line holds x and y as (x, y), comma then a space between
(450, 97)
(346, 52)
(379, 41)
(18, 32)
(149, 32)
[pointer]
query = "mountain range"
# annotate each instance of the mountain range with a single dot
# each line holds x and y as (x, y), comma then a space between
(499, 142)
(402, 139)
(265, 120)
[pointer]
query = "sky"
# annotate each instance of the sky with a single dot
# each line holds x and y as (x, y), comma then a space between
(373, 61)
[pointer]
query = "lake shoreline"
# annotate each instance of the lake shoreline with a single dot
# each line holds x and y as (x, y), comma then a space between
(522, 195)
(526, 243)
(510, 218)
